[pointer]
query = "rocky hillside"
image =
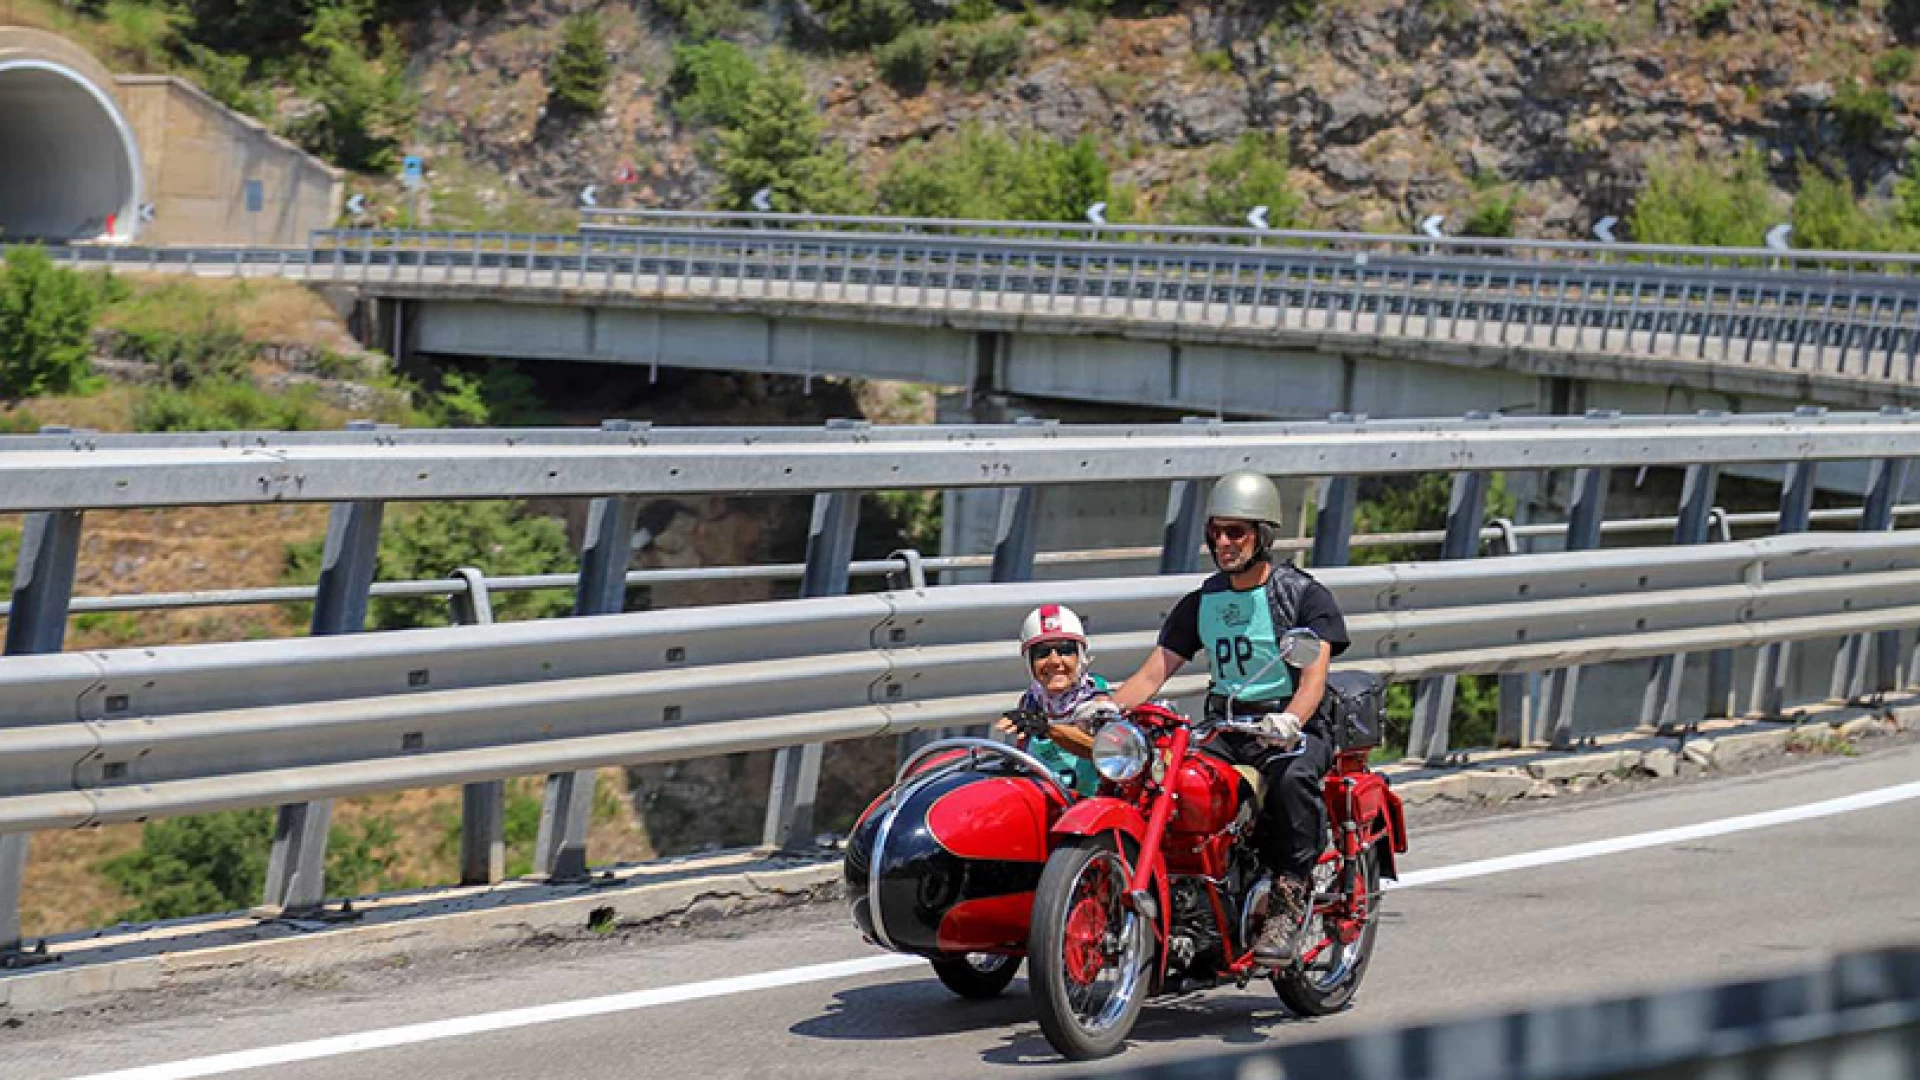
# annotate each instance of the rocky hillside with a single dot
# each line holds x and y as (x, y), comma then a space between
(1394, 110)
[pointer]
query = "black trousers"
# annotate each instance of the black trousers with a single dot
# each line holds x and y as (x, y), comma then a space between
(1293, 819)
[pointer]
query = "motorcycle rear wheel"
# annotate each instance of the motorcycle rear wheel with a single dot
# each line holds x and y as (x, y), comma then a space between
(1083, 931)
(977, 975)
(1328, 984)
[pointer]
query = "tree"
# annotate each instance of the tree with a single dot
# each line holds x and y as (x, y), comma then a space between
(578, 73)
(366, 110)
(47, 314)
(776, 144)
(1826, 216)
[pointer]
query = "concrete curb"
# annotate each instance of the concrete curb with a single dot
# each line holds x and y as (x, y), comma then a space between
(1505, 776)
(187, 952)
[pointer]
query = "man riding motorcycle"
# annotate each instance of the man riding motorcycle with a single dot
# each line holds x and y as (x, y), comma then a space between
(1238, 616)
(1054, 643)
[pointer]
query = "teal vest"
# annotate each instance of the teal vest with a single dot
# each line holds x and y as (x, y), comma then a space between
(1237, 631)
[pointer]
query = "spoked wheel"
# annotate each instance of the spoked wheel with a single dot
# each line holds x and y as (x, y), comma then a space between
(1338, 944)
(1089, 952)
(977, 975)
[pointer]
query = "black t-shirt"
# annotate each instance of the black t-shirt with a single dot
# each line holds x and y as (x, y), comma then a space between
(1316, 611)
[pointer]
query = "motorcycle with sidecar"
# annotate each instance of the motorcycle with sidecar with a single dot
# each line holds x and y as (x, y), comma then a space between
(979, 856)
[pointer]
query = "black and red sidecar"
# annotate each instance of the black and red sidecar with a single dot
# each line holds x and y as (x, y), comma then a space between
(944, 864)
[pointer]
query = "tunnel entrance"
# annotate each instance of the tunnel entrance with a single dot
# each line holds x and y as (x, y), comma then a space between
(69, 166)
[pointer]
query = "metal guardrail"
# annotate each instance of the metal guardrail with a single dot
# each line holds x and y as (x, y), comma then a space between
(185, 729)
(420, 705)
(908, 568)
(1716, 306)
(85, 472)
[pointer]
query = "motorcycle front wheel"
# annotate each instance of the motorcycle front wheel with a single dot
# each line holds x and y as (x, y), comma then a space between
(1327, 983)
(977, 975)
(1089, 954)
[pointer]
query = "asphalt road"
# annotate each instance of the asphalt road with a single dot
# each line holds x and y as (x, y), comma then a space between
(1581, 921)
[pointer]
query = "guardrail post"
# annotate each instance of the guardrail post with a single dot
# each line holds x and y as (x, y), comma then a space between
(483, 817)
(296, 870)
(1015, 536)
(1885, 481)
(1433, 702)
(566, 811)
(1186, 516)
(1333, 522)
(796, 769)
(1660, 705)
(42, 590)
(1771, 673)
(1589, 509)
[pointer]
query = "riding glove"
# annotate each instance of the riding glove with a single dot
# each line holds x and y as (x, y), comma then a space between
(1282, 729)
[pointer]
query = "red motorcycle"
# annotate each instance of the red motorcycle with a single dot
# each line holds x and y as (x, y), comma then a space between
(979, 856)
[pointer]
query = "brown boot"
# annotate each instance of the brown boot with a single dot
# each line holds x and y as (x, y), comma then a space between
(1286, 911)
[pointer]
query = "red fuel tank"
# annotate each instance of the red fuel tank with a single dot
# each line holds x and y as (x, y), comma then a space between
(1208, 790)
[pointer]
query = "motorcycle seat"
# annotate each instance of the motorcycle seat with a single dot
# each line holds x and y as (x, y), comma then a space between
(1255, 783)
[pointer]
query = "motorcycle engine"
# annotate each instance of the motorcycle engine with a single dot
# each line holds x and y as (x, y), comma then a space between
(1195, 935)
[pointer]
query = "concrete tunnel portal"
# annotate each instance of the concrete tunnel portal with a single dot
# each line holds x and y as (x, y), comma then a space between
(69, 163)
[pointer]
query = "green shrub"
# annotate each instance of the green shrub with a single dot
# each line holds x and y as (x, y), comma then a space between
(218, 404)
(193, 865)
(1906, 202)
(983, 174)
(906, 62)
(1893, 66)
(975, 11)
(981, 52)
(703, 19)
(1251, 172)
(228, 80)
(1690, 201)
(1076, 28)
(1492, 213)
(1827, 217)
(218, 862)
(1862, 112)
(366, 110)
(578, 72)
(434, 539)
(9, 556)
(777, 143)
(711, 82)
(863, 24)
(47, 314)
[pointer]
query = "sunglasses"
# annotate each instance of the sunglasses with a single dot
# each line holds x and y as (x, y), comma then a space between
(1052, 648)
(1233, 532)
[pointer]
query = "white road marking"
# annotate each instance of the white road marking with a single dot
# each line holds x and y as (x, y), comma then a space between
(220, 1064)
(1845, 804)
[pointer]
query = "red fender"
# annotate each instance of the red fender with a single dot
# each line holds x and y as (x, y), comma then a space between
(1104, 814)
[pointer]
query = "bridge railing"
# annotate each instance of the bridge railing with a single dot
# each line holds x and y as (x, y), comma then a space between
(134, 723)
(1830, 314)
(1520, 248)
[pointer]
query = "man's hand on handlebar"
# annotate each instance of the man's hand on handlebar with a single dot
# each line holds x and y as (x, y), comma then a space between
(1281, 730)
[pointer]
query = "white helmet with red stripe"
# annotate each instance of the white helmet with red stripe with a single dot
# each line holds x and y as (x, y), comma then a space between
(1052, 622)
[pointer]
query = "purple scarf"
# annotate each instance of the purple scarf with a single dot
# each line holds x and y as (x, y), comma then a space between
(1059, 707)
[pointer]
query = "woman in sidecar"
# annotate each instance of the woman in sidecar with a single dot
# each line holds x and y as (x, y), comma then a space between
(944, 863)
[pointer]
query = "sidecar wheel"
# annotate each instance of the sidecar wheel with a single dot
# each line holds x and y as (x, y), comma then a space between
(1089, 954)
(977, 975)
(1327, 984)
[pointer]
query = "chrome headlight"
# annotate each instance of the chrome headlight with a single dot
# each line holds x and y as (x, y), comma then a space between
(1120, 751)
